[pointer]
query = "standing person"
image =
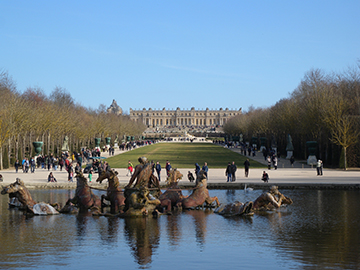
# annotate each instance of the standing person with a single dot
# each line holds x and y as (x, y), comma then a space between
(233, 171)
(32, 165)
(197, 169)
(205, 168)
(23, 164)
(1, 178)
(275, 162)
(228, 173)
(71, 174)
(319, 167)
(247, 166)
(61, 163)
(17, 165)
(90, 174)
(77, 168)
(269, 162)
(130, 168)
(292, 160)
(158, 169)
(27, 164)
(49, 163)
(55, 163)
(168, 167)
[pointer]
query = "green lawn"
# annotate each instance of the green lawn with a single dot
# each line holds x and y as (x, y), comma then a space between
(183, 155)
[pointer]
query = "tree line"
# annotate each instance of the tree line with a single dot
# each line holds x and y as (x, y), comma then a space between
(324, 108)
(33, 116)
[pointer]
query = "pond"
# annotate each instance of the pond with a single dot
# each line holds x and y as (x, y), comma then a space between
(319, 230)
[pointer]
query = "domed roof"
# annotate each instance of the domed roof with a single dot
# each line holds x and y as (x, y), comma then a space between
(114, 108)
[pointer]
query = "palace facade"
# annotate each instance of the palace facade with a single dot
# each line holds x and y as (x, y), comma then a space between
(178, 117)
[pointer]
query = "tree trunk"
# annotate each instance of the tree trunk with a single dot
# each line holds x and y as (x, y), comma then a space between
(17, 147)
(345, 163)
(48, 143)
(1, 159)
(24, 147)
(30, 146)
(42, 139)
(9, 152)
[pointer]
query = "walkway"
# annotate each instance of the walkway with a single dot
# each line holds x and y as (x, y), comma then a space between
(285, 177)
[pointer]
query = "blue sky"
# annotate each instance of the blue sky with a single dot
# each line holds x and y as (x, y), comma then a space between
(202, 54)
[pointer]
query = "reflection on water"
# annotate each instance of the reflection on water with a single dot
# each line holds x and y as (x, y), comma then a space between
(320, 230)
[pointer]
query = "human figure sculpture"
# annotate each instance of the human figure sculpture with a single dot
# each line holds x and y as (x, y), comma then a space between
(235, 209)
(84, 198)
(114, 193)
(200, 194)
(271, 199)
(142, 198)
(21, 193)
(143, 175)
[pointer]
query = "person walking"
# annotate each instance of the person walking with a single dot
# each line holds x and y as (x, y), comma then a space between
(168, 167)
(197, 169)
(247, 166)
(158, 169)
(17, 165)
(269, 162)
(228, 173)
(319, 166)
(130, 168)
(233, 171)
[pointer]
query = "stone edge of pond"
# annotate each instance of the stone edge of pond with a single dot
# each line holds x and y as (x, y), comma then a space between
(238, 186)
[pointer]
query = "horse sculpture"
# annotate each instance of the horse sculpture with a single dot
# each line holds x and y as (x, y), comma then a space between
(114, 194)
(200, 194)
(173, 195)
(21, 193)
(84, 198)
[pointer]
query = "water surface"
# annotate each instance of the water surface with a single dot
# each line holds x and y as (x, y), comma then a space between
(319, 231)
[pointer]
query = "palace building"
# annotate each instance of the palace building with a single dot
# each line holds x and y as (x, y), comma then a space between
(178, 117)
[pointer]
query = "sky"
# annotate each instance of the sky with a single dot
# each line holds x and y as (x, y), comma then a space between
(169, 54)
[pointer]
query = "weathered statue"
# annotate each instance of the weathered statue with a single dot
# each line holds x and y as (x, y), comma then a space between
(200, 194)
(19, 191)
(141, 199)
(289, 147)
(173, 195)
(271, 200)
(114, 193)
(235, 209)
(65, 146)
(84, 198)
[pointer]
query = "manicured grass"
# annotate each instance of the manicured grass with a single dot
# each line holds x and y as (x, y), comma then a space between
(183, 155)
